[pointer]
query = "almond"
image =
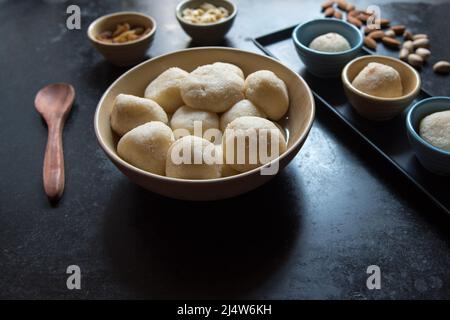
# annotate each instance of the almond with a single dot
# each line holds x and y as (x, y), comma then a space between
(350, 7)
(329, 12)
(407, 35)
(353, 13)
(408, 45)
(337, 14)
(377, 35)
(354, 21)
(390, 42)
(384, 22)
(404, 53)
(424, 53)
(363, 17)
(442, 67)
(327, 4)
(390, 33)
(398, 29)
(421, 43)
(415, 60)
(370, 43)
(369, 29)
(342, 4)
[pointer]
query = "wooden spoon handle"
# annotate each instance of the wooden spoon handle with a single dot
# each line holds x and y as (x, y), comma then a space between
(53, 172)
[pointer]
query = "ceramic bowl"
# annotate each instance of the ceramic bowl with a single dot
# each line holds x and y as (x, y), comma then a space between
(377, 108)
(297, 122)
(432, 158)
(326, 64)
(128, 53)
(211, 32)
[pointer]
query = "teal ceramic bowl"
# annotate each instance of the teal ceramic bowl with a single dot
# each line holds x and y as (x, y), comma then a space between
(326, 64)
(211, 32)
(432, 158)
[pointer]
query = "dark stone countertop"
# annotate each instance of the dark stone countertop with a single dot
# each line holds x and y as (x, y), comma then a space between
(313, 231)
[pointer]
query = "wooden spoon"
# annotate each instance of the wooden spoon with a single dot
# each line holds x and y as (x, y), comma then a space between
(54, 103)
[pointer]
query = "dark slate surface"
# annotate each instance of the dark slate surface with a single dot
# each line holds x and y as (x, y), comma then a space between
(312, 232)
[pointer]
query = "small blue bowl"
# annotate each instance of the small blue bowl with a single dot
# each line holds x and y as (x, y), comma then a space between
(432, 158)
(326, 64)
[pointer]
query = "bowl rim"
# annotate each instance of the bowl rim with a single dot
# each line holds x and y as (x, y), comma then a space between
(413, 131)
(114, 156)
(92, 37)
(323, 53)
(227, 19)
(348, 85)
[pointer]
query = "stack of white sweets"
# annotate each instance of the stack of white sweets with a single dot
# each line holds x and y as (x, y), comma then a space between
(197, 110)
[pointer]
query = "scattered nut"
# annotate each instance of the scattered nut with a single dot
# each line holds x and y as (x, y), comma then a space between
(353, 13)
(419, 36)
(421, 43)
(390, 33)
(354, 21)
(342, 4)
(404, 53)
(363, 17)
(384, 22)
(329, 12)
(370, 43)
(350, 7)
(327, 4)
(390, 42)
(424, 53)
(415, 60)
(408, 45)
(399, 29)
(337, 14)
(442, 67)
(377, 35)
(407, 35)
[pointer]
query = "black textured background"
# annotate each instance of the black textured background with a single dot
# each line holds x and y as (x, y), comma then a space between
(310, 233)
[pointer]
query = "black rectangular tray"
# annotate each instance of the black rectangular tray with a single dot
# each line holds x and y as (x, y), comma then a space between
(389, 138)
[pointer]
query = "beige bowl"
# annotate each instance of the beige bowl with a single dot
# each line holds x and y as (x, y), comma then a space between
(377, 108)
(297, 123)
(128, 53)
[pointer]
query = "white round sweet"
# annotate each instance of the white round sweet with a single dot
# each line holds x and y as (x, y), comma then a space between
(242, 108)
(186, 118)
(193, 157)
(229, 67)
(212, 88)
(379, 80)
(330, 42)
(129, 112)
(268, 92)
(243, 141)
(146, 146)
(165, 89)
(435, 129)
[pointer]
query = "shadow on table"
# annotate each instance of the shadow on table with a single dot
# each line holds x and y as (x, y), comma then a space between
(163, 248)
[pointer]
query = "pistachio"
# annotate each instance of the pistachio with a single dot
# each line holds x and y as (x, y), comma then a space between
(424, 53)
(421, 43)
(390, 33)
(404, 53)
(415, 60)
(419, 36)
(442, 67)
(408, 45)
